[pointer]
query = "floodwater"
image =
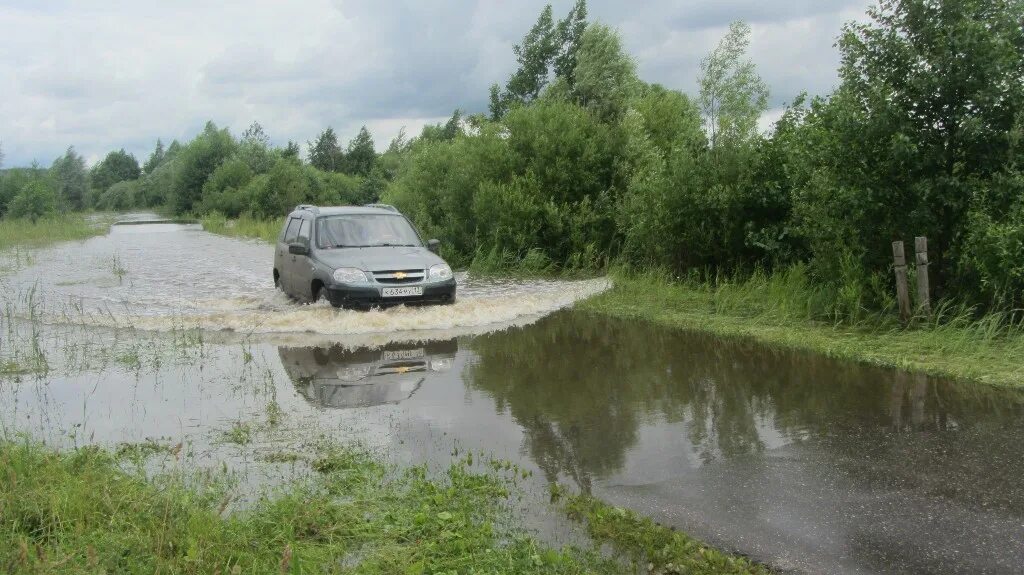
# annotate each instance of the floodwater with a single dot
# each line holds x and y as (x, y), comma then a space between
(808, 464)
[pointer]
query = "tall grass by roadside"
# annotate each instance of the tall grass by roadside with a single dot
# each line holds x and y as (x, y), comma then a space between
(243, 227)
(645, 542)
(49, 230)
(788, 309)
(80, 511)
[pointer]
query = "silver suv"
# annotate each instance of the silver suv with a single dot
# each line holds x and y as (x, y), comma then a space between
(359, 257)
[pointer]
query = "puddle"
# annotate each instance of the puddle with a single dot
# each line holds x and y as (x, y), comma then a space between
(809, 464)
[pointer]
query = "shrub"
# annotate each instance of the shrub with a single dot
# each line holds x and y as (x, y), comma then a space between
(119, 197)
(35, 200)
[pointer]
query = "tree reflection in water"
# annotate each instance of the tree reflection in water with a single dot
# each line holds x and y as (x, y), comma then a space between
(582, 387)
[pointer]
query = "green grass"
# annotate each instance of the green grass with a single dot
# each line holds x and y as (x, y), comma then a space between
(49, 230)
(645, 542)
(786, 310)
(90, 511)
(243, 227)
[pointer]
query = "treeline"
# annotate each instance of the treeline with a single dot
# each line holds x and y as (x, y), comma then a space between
(215, 172)
(580, 165)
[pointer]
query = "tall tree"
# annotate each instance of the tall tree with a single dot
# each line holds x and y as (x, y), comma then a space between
(547, 46)
(534, 55)
(155, 159)
(921, 132)
(325, 153)
(605, 75)
(254, 149)
(453, 127)
(569, 37)
(196, 161)
(118, 166)
(70, 176)
(732, 95)
(291, 151)
(361, 155)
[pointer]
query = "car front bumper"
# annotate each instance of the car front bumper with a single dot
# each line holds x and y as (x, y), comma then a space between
(369, 296)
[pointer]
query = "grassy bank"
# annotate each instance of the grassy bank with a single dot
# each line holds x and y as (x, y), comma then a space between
(50, 230)
(644, 542)
(780, 310)
(243, 227)
(80, 511)
(90, 510)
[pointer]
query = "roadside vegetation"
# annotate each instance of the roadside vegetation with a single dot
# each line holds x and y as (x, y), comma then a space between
(93, 510)
(50, 229)
(244, 226)
(661, 549)
(579, 165)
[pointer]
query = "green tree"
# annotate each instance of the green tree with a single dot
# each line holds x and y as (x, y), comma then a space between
(605, 75)
(224, 190)
(325, 153)
(361, 155)
(36, 200)
(286, 186)
(454, 126)
(732, 95)
(119, 197)
(69, 173)
(569, 37)
(196, 161)
(534, 55)
(919, 135)
(117, 166)
(547, 46)
(155, 159)
(254, 149)
(291, 151)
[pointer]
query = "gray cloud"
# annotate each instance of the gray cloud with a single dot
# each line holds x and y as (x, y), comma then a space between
(125, 73)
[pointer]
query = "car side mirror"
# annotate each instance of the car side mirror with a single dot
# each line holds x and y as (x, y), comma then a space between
(298, 249)
(434, 245)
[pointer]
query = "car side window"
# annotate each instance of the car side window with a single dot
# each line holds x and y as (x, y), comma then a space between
(292, 232)
(304, 232)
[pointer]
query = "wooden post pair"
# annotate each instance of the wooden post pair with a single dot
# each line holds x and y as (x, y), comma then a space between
(902, 290)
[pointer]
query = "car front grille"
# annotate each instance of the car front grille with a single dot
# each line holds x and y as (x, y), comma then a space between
(399, 276)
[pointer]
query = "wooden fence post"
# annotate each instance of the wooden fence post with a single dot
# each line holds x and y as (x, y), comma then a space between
(902, 292)
(924, 302)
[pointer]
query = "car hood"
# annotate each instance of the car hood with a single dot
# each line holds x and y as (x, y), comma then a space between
(380, 258)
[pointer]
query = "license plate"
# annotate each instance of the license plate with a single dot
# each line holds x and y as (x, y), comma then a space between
(393, 354)
(401, 291)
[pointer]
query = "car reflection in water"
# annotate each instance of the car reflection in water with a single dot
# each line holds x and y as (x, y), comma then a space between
(339, 377)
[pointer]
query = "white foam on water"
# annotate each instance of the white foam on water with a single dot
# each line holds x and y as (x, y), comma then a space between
(280, 316)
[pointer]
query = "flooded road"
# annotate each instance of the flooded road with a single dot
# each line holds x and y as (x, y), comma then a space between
(809, 464)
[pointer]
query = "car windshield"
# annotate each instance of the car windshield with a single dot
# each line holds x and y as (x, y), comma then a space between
(365, 230)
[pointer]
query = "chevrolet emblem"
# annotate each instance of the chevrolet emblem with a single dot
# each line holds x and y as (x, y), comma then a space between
(400, 275)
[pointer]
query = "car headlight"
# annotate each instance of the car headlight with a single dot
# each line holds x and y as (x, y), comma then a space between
(349, 275)
(439, 272)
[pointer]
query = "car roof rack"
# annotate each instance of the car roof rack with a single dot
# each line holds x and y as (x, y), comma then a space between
(308, 207)
(387, 207)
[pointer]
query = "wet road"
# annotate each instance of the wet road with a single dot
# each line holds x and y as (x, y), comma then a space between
(809, 464)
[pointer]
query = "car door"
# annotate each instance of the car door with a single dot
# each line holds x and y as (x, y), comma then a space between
(281, 251)
(302, 267)
(286, 267)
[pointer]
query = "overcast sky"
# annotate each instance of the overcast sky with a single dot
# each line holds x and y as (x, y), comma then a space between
(111, 74)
